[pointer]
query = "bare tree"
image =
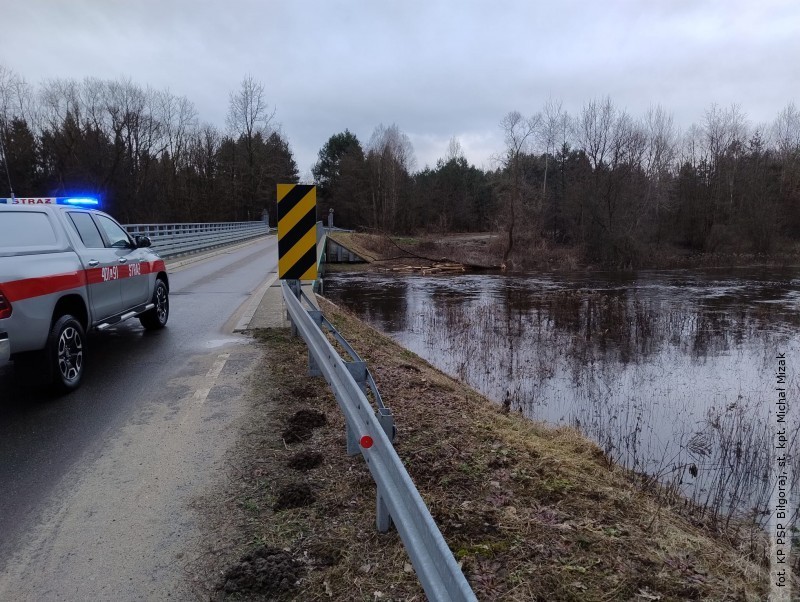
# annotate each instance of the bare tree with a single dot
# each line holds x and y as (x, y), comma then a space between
(126, 105)
(659, 156)
(390, 157)
(454, 150)
(58, 99)
(248, 111)
(692, 147)
(178, 118)
(14, 104)
(92, 96)
(625, 144)
(553, 130)
(594, 129)
(15, 96)
(249, 121)
(786, 131)
(726, 131)
(395, 143)
(519, 134)
(553, 136)
(203, 143)
(662, 136)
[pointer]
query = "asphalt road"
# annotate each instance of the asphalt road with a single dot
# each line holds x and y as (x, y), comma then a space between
(96, 487)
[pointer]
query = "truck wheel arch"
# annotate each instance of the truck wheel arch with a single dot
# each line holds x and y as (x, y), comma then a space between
(73, 305)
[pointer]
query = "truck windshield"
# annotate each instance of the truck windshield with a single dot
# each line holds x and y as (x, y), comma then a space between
(25, 229)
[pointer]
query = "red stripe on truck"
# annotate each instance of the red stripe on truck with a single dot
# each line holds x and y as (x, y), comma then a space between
(44, 285)
(27, 288)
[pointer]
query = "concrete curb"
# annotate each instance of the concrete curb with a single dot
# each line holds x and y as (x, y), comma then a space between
(253, 303)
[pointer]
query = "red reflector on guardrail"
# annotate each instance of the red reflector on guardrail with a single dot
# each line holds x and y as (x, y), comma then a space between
(366, 441)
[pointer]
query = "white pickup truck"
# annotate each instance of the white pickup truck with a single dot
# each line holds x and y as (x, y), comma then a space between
(66, 268)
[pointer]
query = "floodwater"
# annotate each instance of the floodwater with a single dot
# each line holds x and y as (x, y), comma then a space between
(672, 373)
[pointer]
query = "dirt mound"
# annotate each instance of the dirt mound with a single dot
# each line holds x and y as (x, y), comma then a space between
(300, 425)
(305, 460)
(295, 495)
(308, 419)
(266, 571)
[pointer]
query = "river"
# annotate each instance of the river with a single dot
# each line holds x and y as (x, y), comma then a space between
(672, 373)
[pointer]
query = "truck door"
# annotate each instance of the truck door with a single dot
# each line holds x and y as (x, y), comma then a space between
(132, 280)
(101, 265)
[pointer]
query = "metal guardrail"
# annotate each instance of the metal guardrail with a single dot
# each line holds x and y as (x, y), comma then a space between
(398, 500)
(171, 240)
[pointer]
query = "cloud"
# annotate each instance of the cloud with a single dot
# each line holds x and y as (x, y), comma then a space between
(435, 68)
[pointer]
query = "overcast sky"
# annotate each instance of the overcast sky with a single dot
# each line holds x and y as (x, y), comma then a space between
(436, 69)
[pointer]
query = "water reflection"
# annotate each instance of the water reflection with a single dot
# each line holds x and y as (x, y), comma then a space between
(672, 373)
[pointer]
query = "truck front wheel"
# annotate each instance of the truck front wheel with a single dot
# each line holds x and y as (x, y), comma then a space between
(156, 318)
(65, 354)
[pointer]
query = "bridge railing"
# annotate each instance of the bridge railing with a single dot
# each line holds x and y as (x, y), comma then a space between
(171, 240)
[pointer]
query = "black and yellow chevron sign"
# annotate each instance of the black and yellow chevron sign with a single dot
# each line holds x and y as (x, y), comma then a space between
(297, 232)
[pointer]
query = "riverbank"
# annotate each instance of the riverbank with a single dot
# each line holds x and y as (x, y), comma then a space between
(485, 250)
(532, 512)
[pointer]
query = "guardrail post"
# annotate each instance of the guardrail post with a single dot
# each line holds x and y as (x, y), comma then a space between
(313, 369)
(358, 370)
(383, 520)
(294, 285)
(353, 448)
(386, 421)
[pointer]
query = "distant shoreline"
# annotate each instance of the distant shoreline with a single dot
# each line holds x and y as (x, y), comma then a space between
(485, 251)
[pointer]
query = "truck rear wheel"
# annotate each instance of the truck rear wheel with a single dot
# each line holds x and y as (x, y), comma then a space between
(65, 354)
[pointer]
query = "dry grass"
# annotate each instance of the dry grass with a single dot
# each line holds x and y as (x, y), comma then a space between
(385, 252)
(532, 512)
(370, 247)
(475, 250)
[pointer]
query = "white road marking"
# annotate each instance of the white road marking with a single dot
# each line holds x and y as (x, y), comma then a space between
(211, 377)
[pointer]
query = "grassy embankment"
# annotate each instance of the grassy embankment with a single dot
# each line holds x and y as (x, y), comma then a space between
(532, 512)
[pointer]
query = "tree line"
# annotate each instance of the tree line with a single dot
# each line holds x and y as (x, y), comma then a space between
(615, 186)
(620, 189)
(143, 151)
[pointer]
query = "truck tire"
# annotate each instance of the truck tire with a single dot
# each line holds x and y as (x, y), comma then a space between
(65, 354)
(156, 318)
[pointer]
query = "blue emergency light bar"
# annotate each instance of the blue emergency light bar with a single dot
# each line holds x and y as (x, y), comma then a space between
(78, 201)
(74, 201)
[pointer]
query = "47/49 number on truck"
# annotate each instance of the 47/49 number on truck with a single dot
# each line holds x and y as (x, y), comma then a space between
(112, 272)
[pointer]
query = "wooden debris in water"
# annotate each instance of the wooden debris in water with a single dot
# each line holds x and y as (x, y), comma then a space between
(436, 268)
